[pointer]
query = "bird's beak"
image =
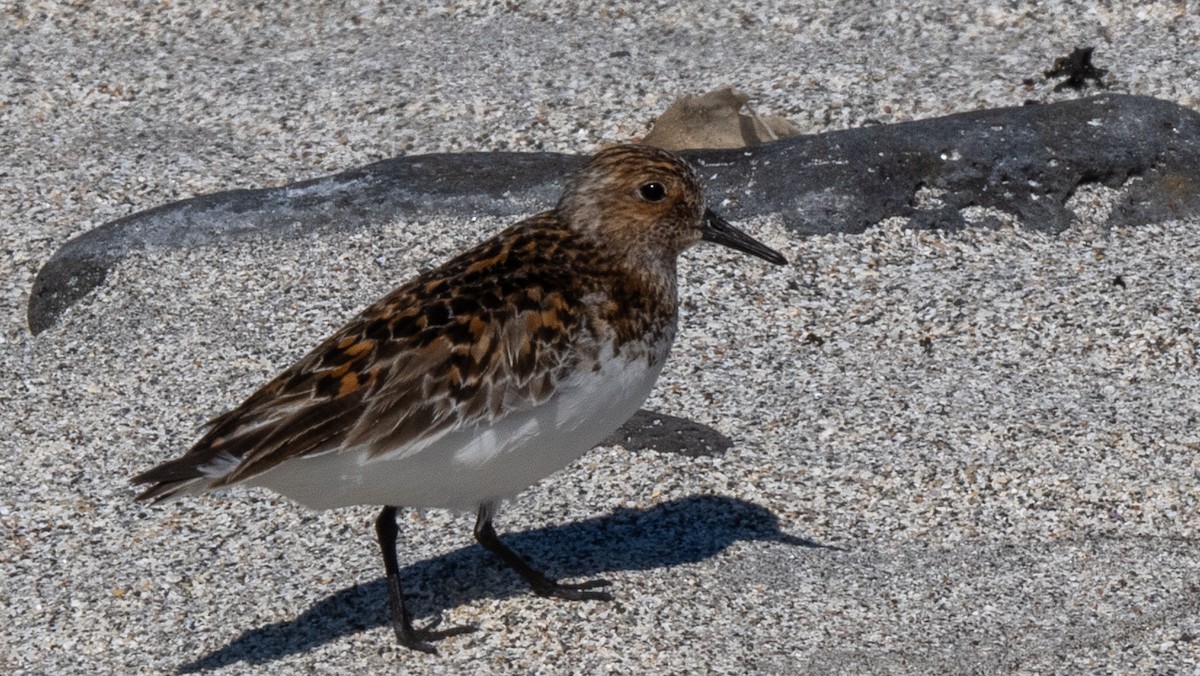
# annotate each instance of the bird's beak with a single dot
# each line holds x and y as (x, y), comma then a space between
(717, 229)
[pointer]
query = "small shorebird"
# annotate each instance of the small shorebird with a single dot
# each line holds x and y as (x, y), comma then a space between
(478, 378)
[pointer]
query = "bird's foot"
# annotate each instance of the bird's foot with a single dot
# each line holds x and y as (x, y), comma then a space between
(574, 591)
(420, 638)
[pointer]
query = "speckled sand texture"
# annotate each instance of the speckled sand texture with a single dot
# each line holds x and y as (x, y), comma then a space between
(996, 432)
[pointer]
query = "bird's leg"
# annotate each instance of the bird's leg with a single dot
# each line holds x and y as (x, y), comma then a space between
(409, 636)
(542, 585)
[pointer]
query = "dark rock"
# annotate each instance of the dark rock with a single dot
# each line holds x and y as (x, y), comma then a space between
(490, 183)
(1025, 160)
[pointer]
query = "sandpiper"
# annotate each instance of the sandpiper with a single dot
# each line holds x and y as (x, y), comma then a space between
(478, 378)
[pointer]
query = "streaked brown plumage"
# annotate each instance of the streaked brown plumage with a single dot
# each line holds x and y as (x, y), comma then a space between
(477, 378)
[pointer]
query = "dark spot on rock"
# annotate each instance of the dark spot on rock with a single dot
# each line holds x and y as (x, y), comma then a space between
(1077, 67)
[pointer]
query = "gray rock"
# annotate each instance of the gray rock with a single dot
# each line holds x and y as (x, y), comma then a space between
(1023, 160)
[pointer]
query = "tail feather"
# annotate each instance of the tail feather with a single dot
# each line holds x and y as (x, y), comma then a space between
(248, 441)
(173, 479)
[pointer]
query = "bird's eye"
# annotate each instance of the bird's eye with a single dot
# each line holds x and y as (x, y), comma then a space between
(653, 191)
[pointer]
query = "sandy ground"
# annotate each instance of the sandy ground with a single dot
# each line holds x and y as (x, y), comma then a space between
(988, 440)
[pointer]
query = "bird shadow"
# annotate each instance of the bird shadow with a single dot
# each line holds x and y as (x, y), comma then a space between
(669, 434)
(681, 531)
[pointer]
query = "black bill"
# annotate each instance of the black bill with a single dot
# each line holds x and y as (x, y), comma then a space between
(717, 229)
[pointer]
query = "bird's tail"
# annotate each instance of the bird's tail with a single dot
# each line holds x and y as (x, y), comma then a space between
(174, 479)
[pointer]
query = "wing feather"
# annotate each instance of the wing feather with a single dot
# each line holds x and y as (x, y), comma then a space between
(454, 349)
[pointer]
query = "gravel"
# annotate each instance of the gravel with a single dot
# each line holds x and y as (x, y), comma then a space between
(952, 452)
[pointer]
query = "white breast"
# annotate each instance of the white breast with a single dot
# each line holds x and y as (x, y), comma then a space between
(467, 467)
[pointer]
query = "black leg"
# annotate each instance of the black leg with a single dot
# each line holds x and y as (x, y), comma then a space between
(542, 585)
(409, 636)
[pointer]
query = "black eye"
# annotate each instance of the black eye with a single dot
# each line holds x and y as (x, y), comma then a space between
(653, 191)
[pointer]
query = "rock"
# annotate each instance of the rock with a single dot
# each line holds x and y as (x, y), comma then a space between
(1024, 160)
(718, 119)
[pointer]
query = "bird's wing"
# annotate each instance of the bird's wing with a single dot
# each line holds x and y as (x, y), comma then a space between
(444, 352)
